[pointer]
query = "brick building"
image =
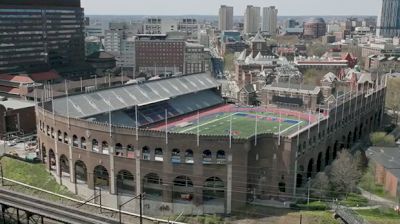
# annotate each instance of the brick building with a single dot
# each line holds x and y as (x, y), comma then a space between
(386, 165)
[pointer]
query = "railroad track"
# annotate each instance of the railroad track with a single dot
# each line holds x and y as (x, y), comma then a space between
(51, 210)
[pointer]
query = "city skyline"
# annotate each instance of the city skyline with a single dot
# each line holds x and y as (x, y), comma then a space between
(211, 7)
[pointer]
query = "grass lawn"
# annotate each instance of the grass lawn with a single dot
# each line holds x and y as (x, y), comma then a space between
(380, 216)
(32, 174)
(243, 124)
(354, 200)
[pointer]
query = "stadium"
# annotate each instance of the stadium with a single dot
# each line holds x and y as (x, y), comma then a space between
(177, 141)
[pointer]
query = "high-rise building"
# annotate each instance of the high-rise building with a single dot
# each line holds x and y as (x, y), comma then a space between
(40, 33)
(189, 26)
(225, 18)
(252, 19)
(270, 20)
(389, 19)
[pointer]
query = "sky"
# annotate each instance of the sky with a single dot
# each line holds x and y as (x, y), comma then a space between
(210, 7)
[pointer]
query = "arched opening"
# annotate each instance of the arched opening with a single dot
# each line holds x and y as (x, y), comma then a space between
(319, 162)
(95, 145)
(327, 156)
(299, 180)
(146, 153)
(158, 154)
(104, 147)
(214, 191)
(176, 156)
(66, 138)
(59, 135)
(221, 158)
(152, 185)
(75, 141)
(282, 186)
(182, 189)
(310, 168)
(130, 150)
(299, 177)
(44, 155)
(335, 150)
(83, 143)
(349, 137)
(52, 132)
(64, 166)
(119, 150)
(355, 135)
(360, 131)
(125, 182)
(189, 156)
(101, 177)
(52, 160)
(80, 172)
(207, 157)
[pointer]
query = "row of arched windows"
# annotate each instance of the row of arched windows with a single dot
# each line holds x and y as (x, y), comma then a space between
(185, 156)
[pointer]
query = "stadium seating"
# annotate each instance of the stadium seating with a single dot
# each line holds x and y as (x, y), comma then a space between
(154, 113)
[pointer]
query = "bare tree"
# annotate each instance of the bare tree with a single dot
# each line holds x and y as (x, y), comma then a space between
(345, 173)
(320, 185)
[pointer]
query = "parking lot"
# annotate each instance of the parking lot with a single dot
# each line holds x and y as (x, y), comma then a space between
(24, 149)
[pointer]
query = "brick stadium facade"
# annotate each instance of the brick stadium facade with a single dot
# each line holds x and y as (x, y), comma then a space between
(141, 160)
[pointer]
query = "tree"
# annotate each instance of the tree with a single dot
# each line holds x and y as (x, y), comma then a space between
(382, 139)
(317, 49)
(320, 185)
(229, 62)
(344, 174)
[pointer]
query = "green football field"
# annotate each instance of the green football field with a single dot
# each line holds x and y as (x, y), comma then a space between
(243, 124)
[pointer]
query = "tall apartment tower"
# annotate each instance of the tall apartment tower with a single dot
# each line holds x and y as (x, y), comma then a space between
(389, 19)
(252, 19)
(225, 18)
(40, 33)
(270, 20)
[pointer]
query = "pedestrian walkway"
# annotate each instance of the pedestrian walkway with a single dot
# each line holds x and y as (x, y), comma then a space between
(378, 199)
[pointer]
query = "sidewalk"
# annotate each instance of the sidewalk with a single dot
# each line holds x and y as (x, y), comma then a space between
(378, 199)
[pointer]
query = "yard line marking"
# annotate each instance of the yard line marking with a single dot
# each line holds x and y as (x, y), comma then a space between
(207, 123)
(291, 127)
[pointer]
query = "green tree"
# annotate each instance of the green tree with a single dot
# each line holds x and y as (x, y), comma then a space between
(229, 62)
(382, 139)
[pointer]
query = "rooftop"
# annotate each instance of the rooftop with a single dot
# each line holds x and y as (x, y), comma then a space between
(15, 104)
(388, 157)
(118, 98)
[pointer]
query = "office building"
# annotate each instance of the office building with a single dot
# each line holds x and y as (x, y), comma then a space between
(252, 19)
(39, 34)
(389, 19)
(225, 21)
(159, 53)
(270, 20)
(314, 28)
(188, 26)
(128, 52)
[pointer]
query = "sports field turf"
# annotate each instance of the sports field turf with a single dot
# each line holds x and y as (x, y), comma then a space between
(243, 124)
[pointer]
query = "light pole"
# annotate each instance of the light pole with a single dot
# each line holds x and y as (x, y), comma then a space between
(308, 191)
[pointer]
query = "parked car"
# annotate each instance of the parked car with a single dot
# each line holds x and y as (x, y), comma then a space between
(11, 143)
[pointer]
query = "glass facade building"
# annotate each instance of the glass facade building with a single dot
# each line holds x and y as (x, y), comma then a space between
(40, 33)
(389, 19)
